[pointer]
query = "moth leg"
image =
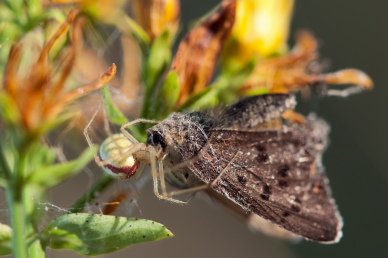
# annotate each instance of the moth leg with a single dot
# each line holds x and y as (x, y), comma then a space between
(360, 80)
(294, 116)
(345, 92)
(224, 170)
(189, 190)
(159, 176)
(192, 188)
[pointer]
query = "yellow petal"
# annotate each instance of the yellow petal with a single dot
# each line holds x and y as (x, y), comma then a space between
(262, 26)
(157, 15)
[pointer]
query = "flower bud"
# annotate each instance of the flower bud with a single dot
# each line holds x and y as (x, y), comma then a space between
(157, 15)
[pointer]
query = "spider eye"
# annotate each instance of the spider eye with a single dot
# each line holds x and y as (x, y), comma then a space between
(156, 138)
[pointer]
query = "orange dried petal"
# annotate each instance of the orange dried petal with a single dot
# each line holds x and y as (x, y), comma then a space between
(198, 53)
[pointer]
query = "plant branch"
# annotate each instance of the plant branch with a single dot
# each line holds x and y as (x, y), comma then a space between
(89, 196)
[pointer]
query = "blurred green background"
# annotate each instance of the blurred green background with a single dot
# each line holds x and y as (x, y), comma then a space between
(353, 34)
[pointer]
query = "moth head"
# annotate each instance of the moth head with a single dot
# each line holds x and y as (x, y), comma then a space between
(156, 138)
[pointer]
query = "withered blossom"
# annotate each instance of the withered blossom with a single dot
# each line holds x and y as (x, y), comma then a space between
(198, 53)
(300, 68)
(155, 16)
(40, 94)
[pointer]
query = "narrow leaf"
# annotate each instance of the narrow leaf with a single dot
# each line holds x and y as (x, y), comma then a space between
(169, 94)
(91, 234)
(50, 176)
(158, 60)
(114, 113)
(5, 239)
(138, 31)
(116, 116)
(204, 98)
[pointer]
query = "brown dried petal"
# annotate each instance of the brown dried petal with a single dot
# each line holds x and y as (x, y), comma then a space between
(198, 53)
(300, 69)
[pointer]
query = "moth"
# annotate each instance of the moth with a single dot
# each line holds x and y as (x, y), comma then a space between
(248, 153)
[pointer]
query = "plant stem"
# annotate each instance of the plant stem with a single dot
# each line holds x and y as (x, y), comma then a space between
(15, 204)
(16, 200)
(4, 167)
(89, 196)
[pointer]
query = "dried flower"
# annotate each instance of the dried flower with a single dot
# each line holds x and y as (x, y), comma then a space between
(300, 69)
(198, 53)
(40, 95)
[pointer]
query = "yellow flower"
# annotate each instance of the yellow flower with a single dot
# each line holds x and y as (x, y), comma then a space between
(261, 29)
(106, 10)
(157, 15)
(263, 25)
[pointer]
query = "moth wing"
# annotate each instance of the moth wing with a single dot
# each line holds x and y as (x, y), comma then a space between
(276, 174)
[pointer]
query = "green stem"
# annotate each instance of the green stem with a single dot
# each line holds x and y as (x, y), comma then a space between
(20, 220)
(15, 204)
(34, 216)
(88, 197)
(4, 167)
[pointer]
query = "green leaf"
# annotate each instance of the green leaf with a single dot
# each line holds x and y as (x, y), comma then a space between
(50, 176)
(5, 239)
(259, 91)
(158, 60)
(205, 98)
(114, 114)
(237, 78)
(224, 90)
(169, 94)
(50, 125)
(138, 31)
(92, 234)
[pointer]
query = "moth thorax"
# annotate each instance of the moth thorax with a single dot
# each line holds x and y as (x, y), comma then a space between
(122, 163)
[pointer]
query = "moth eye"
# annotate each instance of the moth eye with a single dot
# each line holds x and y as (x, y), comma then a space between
(242, 179)
(123, 165)
(283, 184)
(295, 208)
(283, 170)
(155, 138)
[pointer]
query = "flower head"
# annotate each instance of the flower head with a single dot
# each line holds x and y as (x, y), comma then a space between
(261, 29)
(39, 95)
